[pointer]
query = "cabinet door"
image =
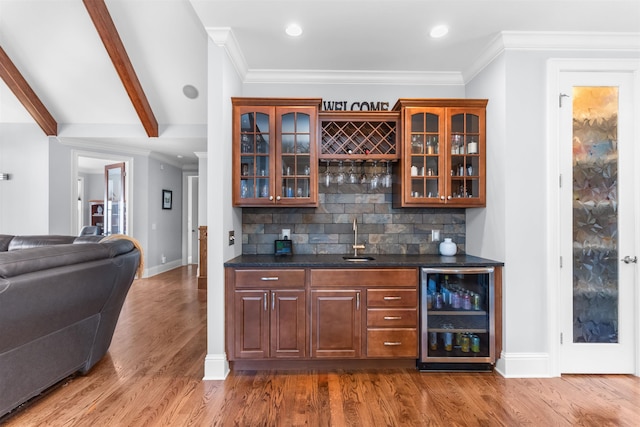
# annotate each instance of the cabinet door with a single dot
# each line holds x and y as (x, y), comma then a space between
(425, 162)
(288, 324)
(297, 156)
(336, 324)
(253, 156)
(466, 163)
(251, 324)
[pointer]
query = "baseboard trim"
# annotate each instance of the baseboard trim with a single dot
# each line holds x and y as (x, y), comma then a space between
(162, 268)
(216, 367)
(524, 365)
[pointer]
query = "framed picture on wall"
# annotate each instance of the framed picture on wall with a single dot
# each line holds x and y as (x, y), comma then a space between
(167, 199)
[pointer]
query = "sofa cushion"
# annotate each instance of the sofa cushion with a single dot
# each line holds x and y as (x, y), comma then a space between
(5, 239)
(14, 263)
(25, 242)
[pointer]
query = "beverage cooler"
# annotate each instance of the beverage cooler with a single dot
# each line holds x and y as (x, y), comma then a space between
(457, 319)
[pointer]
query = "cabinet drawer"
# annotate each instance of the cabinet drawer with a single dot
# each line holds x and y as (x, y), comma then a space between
(392, 343)
(387, 277)
(392, 298)
(392, 318)
(268, 277)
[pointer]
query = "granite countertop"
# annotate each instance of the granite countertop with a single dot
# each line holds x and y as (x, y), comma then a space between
(385, 260)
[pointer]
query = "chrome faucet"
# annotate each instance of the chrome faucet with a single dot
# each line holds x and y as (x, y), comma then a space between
(356, 246)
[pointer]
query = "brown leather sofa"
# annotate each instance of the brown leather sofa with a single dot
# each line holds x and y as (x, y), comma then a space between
(60, 299)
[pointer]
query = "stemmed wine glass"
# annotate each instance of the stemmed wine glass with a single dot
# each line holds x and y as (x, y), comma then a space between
(353, 177)
(326, 177)
(387, 177)
(340, 176)
(363, 174)
(375, 178)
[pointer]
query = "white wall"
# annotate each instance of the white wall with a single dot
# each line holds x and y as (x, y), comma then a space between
(223, 83)
(24, 199)
(164, 225)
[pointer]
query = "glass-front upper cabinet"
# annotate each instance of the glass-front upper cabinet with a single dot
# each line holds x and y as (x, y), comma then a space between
(443, 160)
(274, 152)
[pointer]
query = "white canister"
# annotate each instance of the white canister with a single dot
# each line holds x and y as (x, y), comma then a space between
(472, 148)
(414, 171)
(448, 248)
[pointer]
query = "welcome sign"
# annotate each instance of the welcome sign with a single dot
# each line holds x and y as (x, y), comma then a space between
(355, 106)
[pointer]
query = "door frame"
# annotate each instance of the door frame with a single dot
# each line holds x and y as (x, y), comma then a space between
(128, 161)
(554, 68)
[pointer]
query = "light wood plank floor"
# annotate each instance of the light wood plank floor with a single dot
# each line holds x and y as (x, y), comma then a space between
(152, 376)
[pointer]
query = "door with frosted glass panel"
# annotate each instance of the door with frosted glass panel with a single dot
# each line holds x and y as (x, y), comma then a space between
(115, 201)
(598, 276)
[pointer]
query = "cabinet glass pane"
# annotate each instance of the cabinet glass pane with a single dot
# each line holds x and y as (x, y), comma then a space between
(433, 123)
(417, 122)
(262, 123)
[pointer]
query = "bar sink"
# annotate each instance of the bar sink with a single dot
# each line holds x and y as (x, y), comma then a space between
(358, 258)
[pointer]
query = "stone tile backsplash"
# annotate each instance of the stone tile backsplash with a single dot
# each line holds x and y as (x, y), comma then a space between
(328, 229)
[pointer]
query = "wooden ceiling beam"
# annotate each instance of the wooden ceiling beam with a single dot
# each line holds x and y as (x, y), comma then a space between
(19, 86)
(115, 48)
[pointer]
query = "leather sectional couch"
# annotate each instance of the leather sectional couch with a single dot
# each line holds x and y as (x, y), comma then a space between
(60, 299)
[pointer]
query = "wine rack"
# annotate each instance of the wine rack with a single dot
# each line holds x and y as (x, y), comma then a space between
(357, 135)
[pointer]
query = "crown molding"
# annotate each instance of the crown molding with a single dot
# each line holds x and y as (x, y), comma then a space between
(223, 37)
(552, 41)
(354, 77)
(505, 40)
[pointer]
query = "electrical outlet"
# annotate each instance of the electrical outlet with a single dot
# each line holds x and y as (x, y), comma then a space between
(435, 235)
(286, 234)
(163, 259)
(232, 237)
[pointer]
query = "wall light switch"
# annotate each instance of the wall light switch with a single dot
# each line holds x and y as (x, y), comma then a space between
(286, 233)
(232, 237)
(435, 235)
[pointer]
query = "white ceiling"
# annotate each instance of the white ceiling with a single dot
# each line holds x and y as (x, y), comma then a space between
(57, 49)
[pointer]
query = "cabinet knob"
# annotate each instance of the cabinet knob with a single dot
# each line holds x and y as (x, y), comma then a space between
(278, 198)
(271, 198)
(448, 197)
(441, 197)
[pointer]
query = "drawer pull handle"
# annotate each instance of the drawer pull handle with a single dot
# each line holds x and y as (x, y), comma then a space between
(387, 343)
(392, 298)
(269, 279)
(392, 317)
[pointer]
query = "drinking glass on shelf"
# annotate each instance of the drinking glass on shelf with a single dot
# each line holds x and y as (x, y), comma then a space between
(326, 177)
(340, 176)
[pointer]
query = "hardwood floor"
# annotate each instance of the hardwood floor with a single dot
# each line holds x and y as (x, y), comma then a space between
(152, 376)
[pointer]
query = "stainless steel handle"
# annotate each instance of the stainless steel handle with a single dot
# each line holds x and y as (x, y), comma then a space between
(357, 300)
(387, 343)
(392, 317)
(269, 279)
(273, 301)
(629, 260)
(392, 298)
(266, 297)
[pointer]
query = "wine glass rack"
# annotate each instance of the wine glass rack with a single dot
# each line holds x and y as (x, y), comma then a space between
(359, 135)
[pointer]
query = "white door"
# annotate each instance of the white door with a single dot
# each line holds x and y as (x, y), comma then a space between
(597, 230)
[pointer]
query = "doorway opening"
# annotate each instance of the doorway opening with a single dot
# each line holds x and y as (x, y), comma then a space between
(90, 200)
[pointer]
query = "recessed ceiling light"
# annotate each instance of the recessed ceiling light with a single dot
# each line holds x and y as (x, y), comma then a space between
(294, 30)
(190, 91)
(439, 31)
